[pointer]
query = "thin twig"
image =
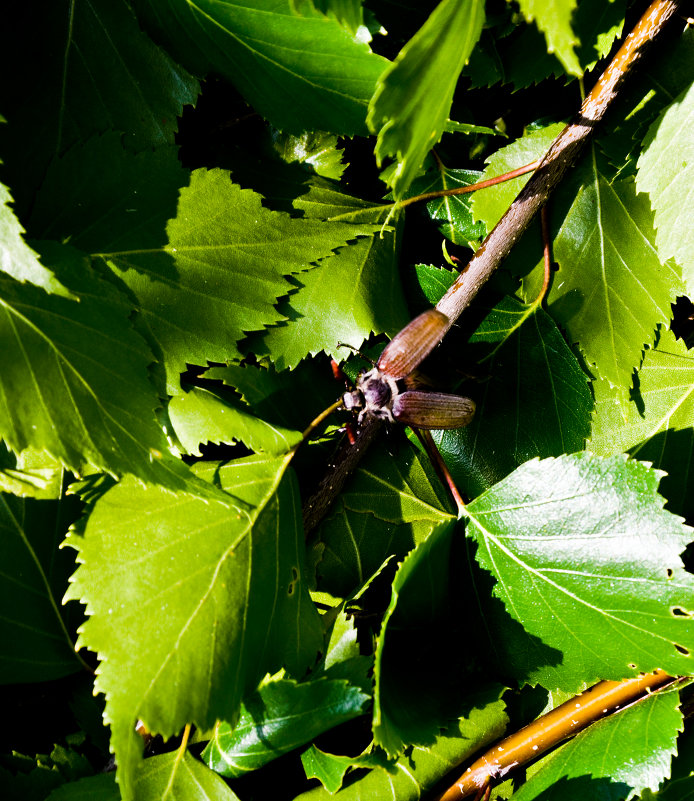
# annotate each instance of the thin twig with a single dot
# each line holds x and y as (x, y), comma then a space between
(464, 190)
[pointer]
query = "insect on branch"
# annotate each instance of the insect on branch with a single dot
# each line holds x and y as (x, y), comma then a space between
(563, 153)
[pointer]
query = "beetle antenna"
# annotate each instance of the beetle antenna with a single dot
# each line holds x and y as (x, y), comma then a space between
(358, 352)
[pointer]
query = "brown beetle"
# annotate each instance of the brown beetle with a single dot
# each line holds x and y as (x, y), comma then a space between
(379, 391)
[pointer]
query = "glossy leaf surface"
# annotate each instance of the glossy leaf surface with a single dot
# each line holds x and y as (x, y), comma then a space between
(286, 59)
(585, 557)
(419, 771)
(208, 568)
(279, 717)
(413, 97)
(665, 172)
(658, 424)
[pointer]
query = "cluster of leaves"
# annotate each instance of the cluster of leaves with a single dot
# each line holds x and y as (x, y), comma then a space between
(177, 267)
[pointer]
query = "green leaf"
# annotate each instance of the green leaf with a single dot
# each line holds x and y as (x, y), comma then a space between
(81, 69)
(36, 644)
(102, 787)
(623, 754)
(681, 783)
(134, 197)
(666, 173)
(418, 772)
(278, 717)
(31, 474)
(413, 98)
(319, 150)
(349, 12)
(222, 270)
(287, 59)
(658, 426)
(597, 25)
(271, 394)
(611, 290)
(75, 381)
(16, 257)
(348, 296)
(490, 204)
(554, 20)
(586, 558)
(420, 653)
(656, 85)
(520, 59)
(452, 212)
(388, 506)
(524, 366)
(196, 568)
(167, 776)
(330, 769)
(200, 416)
(452, 126)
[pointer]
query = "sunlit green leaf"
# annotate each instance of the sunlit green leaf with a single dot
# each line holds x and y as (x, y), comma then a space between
(222, 270)
(585, 557)
(420, 770)
(330, 769)
(658, 426)
(287, 59)
(234, 571)
(348, 296)
(186, 778)
(31, 474)
(413, 99)
(279, 717)
(318, 150)
(611, 290)
(75, 381)
(666, 173)
(490, 204)
(16, 257)
(453, 211)
(554, 20)
(200, 416)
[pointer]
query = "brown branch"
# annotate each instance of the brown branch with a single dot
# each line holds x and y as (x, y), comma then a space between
(562, 154)
(496, 247)
(338, 471)
(567, 720)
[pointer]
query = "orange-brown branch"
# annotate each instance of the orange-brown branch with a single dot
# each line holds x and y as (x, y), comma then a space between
(547, 731)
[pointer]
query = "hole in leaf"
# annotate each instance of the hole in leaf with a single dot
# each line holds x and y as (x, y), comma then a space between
(681, 649)
(668, 573)
(292, 583)
(632, 665)
(677, 611)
